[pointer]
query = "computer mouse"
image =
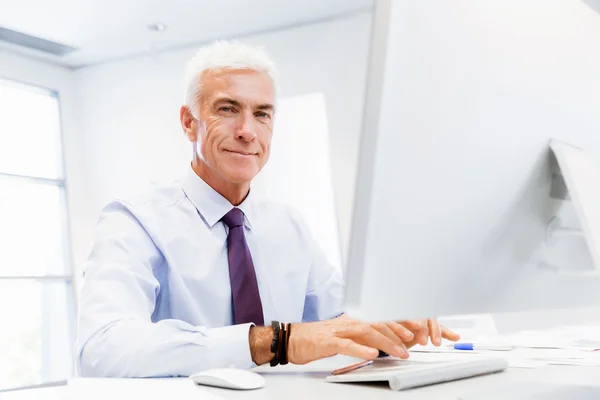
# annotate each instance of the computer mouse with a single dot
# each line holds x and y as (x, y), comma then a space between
(230, 378)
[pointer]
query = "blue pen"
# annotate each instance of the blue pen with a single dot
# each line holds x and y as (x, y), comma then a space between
(475, 346)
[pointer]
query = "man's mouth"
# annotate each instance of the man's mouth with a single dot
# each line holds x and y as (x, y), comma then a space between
(243, 153)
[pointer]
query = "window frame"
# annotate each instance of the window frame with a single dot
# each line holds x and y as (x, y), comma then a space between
(68, 277)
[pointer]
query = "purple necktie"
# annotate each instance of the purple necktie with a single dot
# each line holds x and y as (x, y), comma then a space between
(244, 288)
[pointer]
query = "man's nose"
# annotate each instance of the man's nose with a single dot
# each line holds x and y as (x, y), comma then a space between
(247, 128)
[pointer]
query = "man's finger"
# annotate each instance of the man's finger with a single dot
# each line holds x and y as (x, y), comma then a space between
(413, 325)
(434, 331)
(371, 337)
(423, 335)
(389, 333)
(350, 348)
(449, 334)
(419, 329)
(401, 331)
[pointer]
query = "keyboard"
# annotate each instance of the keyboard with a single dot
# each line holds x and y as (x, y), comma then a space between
(421, 370)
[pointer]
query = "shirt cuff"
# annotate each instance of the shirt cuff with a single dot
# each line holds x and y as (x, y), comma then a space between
(232, 345)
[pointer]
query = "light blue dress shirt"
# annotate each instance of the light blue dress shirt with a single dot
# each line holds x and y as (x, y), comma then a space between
(156, 299)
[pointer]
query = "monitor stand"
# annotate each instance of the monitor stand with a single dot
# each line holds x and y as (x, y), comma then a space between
(579, 174)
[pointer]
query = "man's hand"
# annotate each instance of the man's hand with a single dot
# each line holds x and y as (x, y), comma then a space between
(419, 331)
(315, 340)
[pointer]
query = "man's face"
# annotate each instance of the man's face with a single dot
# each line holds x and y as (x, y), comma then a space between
(235, 125)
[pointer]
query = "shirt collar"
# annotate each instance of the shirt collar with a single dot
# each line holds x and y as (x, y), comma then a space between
(211, 205)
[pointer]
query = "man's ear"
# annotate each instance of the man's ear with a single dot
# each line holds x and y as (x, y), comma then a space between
(188, 123)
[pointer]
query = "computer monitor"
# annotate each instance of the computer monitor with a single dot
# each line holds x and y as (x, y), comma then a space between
(459, 193)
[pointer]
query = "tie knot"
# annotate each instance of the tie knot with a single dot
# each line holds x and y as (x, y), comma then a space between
(234, 218)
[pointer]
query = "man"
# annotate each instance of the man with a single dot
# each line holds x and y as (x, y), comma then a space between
(186, 277)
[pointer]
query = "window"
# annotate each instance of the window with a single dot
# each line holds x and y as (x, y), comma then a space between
(37, 298)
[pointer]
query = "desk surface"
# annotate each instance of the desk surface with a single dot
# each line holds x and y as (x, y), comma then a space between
(307, 382)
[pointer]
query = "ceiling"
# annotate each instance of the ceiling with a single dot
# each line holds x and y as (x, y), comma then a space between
(105, 30)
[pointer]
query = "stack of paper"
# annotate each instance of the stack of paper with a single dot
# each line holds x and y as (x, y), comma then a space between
(574, 345)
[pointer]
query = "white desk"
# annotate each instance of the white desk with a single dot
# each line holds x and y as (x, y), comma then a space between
(294, 384)
(297, 382)
(49, 393)
(307, 382)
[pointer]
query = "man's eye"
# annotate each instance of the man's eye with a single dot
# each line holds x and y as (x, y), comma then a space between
(226, 109)
(262, 115)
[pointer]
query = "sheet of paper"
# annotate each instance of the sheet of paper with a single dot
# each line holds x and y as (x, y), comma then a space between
(585, 338)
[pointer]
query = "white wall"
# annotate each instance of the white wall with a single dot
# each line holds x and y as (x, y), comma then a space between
(129, 109)
(61, 80)
(303, 184)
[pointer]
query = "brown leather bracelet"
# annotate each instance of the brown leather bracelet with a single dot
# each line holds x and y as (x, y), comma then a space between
(276, 343)
(289, 333)
(281, 336)
(283, 353)
(286, 343)
(279, 346)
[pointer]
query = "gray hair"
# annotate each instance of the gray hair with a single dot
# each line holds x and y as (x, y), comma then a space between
(224, 55)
